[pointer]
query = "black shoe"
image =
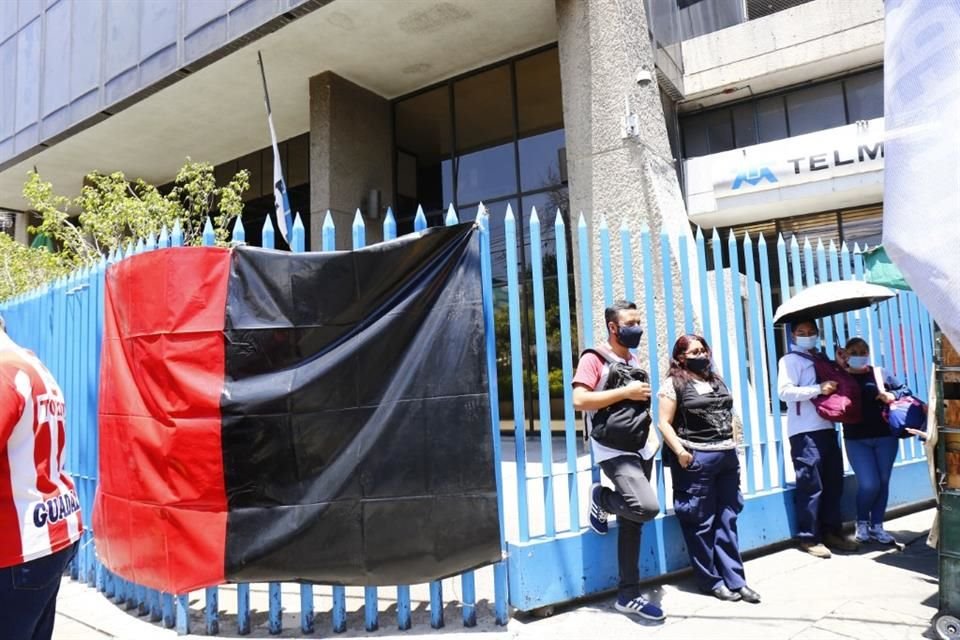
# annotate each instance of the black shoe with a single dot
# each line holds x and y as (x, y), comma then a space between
(748, 595)
(723, 593)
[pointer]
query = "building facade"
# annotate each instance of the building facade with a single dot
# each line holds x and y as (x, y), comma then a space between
(744, 115)
(427, 103)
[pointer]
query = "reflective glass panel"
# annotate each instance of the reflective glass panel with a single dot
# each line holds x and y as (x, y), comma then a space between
(719, 130)
(771, 119)
(744, 125)
(424, 131)
(484, 112)
(486, 174)
(694, 137)
(865, 96)
(543, 160)
(816, 108)
(485, 166)
(539, 99)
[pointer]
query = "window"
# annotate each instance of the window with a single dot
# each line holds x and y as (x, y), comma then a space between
(694, 137)
(744, 125)
(792, 113)
(424, 142)
(862, 227)
(816, 108)
(865, 96)
(719, 131)
(711, 132)
(771, 119)
(542, 144)
(485, 166)
(494, 136)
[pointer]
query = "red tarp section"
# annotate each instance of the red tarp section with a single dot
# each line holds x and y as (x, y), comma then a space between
(161, 466)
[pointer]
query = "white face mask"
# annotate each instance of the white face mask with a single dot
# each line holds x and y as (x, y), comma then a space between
(807, 342)
(858, 362)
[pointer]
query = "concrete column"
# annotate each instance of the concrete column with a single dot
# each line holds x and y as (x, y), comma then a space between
(351, 142)
(631, 180)
(20, 224)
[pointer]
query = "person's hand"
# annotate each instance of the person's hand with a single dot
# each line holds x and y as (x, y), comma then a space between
(886, 397)
(685, 458)
(828, 387)
(637, 391)
(916, 432)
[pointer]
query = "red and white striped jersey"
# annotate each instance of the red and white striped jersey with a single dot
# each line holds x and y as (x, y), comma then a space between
(39, 508)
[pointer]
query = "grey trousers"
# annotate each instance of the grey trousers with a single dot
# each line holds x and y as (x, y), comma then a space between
(634, 502)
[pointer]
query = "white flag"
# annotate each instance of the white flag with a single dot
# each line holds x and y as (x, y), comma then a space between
(921, 199)
(280, 200)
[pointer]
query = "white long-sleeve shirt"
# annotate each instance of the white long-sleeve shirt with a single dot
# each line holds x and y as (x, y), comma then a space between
(797, 386)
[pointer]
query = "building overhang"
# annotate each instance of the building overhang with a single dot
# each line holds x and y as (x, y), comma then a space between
(217, 113)
(808, 42)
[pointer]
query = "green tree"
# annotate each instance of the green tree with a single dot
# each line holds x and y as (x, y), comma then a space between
(112, 211)
(23, 268)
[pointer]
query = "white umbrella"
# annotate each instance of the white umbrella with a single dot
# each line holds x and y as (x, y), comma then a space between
(829, 298)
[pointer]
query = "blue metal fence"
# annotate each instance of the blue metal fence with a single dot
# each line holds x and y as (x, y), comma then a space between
(733, 307)
(550, 556)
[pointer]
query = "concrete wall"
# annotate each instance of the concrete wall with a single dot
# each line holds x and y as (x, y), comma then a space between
(351, 147)
(67, 64)
(810, 41)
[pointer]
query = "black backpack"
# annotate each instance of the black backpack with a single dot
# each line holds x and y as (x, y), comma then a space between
(623, 425)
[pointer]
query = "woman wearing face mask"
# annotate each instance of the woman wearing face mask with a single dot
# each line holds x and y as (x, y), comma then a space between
(871, 448)
(696, 420)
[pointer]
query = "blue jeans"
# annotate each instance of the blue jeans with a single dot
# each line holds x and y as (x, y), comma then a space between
(706, 501)
(28, 596)
(872, 461)
(819, 466)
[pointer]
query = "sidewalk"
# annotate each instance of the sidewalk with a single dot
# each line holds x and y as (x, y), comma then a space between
(876, 593)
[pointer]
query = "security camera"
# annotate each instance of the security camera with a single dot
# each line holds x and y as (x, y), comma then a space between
(644, 77)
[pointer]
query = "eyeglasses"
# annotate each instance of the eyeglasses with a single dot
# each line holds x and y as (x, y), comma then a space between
(696, 352)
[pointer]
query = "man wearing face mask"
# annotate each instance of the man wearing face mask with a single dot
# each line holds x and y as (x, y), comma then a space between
(814, 448)
(633, 501)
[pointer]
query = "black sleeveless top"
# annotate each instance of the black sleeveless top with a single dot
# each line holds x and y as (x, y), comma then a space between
(704, 418)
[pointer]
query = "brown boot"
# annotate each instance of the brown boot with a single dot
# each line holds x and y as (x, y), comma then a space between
(840, 542)
(816, 549)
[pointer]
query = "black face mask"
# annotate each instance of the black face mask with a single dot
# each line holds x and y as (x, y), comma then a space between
(698, 365)
(629, 336)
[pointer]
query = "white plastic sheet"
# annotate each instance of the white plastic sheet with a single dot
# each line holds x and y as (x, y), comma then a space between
(921, 220)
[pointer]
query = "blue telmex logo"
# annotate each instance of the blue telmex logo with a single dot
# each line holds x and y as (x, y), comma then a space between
(753, 177)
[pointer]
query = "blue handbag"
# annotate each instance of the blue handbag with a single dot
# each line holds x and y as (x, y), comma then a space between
(906, 412)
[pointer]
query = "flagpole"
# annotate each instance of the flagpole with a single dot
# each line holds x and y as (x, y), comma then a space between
(281, 200)
(263, 76)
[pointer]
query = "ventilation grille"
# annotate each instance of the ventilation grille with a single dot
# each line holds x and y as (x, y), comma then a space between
(760, 8)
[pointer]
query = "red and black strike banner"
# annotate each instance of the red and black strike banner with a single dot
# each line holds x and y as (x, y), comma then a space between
(322, 417)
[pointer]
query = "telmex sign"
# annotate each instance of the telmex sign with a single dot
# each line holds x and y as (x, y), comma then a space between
(845, 151)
